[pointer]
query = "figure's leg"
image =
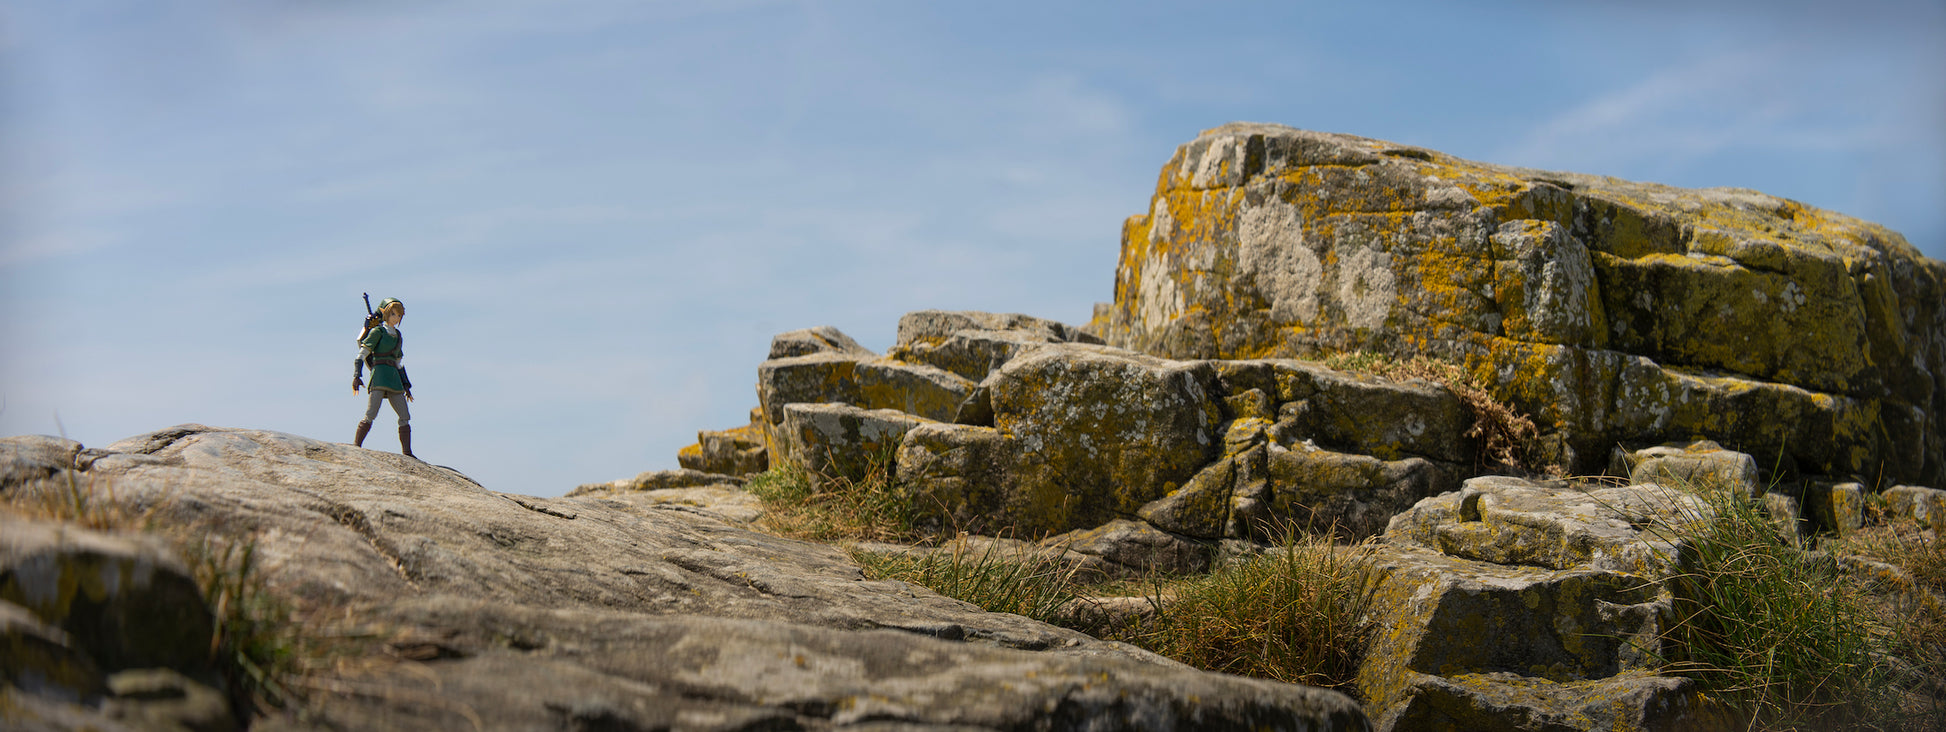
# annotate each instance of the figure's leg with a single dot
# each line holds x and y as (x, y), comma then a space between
(372, 399)
(405, 426)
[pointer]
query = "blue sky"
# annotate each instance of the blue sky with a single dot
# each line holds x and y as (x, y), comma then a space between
(598, 211)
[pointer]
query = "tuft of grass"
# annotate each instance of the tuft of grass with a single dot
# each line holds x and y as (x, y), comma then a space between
(834, 508)
(1296, 615)
(1505, 436)
(997, 580)
(67, 499)
(1781, 634)
(257, 642)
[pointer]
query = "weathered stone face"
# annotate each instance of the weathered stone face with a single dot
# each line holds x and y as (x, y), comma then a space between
(1616, 312)
(822, 339)
(1517, 522)
(127, 601)
(1515, 604)
(1099, 432)
(863, 381)
(840, 441)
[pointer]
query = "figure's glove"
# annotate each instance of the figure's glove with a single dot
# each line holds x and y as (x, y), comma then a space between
(357, 375)
(405, 380)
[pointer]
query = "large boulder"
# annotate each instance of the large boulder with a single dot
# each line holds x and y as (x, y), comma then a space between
(1614, 311)
(603, 612)
(955, 478)
(1101, 431)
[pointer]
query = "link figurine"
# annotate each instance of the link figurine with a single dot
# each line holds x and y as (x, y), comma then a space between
(381, 347)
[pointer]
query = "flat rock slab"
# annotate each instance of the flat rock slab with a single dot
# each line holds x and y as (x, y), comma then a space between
(1553, 525)
(593, 612)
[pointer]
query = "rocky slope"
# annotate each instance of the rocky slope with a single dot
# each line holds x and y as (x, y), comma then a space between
(486, 609)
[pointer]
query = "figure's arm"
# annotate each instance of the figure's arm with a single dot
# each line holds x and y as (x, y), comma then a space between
(358, 373)
(405, 381)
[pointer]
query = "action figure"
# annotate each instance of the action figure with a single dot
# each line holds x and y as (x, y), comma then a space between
(381, 346)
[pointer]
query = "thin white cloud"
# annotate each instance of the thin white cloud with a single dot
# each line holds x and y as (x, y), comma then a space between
(68, 242)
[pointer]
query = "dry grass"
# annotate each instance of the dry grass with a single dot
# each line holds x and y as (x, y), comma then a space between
(997, 580)
(1295, 615)
(1912, 604)
(841, 509)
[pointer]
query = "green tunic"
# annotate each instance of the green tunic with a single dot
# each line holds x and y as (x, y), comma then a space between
(386, 349)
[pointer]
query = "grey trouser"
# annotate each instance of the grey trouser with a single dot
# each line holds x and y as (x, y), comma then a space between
(398, 404)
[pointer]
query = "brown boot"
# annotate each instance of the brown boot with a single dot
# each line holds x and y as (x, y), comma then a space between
(405, 440)
(364, 426)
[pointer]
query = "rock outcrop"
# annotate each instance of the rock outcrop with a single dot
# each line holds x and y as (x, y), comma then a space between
(1050, 433)
(511, 612)
(1512, 604)
(1614, 311)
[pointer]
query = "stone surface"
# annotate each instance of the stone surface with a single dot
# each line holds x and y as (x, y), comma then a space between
(1614, 311)
(866, 382)
(1628, 701)
(1201, 507)
(936, 326)
(594, 612)
(655, 480)
(726, 502)
(1464, 644)
(1925, 506)
(128, 602)
(35, 457)
(955, 477)
(1350, 496)
(840, 441)
(736, 451)
(1517, 522)
(1835, 508)
(1100, 432)
(973, 354)
(1122, 549)
(162, 699)
(822, 339)
(975, 344)
(1354, 412)
(43, 660)
(1703, 464)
